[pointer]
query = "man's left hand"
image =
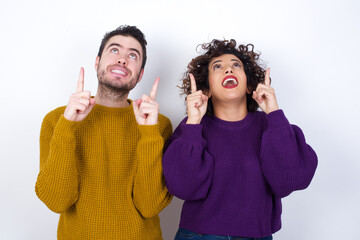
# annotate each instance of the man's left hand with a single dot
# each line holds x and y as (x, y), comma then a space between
(146, 109)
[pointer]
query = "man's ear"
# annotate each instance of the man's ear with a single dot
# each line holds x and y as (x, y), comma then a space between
(97, 62)
(140, 75)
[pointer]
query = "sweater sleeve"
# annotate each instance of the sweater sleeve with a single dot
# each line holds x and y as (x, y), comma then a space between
(150, 193)
(288, 162)
(188, 167)
(57, 182)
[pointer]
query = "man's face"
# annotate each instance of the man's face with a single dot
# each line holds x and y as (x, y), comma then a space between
(119, 67)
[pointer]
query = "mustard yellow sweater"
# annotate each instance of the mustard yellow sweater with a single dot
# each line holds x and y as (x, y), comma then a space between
(103, 174)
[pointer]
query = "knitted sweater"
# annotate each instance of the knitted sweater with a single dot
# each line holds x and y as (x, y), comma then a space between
(232, 175)
(103, 174)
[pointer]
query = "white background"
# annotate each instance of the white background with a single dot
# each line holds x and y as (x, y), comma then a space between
(312, 48)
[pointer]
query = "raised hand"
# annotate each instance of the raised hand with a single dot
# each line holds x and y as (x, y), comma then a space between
(146, 109)
(80, 103)
(196, 103)
(264, 95)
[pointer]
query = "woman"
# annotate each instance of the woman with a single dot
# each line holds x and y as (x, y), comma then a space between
(231, 163)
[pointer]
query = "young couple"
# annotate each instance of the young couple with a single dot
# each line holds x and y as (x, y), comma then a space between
(109, 165)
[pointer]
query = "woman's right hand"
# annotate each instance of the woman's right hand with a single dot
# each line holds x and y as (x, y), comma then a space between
(196, 103)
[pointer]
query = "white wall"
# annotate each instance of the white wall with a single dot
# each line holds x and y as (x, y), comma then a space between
(312, 48)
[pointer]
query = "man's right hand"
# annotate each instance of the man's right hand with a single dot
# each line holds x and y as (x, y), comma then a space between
(80, 103)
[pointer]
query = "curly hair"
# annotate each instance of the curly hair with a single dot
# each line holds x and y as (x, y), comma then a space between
(199, 68)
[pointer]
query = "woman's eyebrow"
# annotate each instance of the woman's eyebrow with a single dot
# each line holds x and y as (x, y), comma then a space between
(215, 62)
(236, 60)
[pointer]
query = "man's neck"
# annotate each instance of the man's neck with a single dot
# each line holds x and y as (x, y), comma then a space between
(110, 98)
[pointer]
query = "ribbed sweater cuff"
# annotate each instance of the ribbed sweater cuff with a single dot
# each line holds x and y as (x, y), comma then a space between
(192, 132)
(149, 131)
(65, 128)
(277, 119)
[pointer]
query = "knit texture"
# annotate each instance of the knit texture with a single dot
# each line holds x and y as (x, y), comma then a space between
(103, 174)
(232, 175)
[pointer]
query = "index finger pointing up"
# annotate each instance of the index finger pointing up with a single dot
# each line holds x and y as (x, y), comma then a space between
(154, 88)
(267, 77)
(80, 83)
(193, 83)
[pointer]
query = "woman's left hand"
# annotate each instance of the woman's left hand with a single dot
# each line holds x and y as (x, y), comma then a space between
(264, 95)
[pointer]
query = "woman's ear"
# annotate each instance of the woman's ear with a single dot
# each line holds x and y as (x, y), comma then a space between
(208, 93)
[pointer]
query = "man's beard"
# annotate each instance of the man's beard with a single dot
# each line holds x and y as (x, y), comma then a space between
(113, 88)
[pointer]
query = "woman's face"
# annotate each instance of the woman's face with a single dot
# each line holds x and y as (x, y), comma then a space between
(227, 79)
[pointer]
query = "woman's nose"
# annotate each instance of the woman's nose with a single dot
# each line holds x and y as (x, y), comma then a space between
(228, 70)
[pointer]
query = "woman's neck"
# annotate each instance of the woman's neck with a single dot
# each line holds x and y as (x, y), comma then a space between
(230, 111)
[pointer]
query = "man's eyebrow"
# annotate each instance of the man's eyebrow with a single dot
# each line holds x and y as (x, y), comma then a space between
(120, 46)
(114, 44)
(135, 50)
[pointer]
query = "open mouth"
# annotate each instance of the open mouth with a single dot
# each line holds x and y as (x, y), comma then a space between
(230, 82)
(117, 71)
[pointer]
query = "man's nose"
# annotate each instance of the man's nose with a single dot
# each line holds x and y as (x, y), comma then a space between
(122, 61)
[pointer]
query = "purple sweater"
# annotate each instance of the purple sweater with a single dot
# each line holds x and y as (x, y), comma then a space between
(232, 175)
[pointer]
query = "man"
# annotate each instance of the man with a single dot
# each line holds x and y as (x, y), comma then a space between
(100, 158)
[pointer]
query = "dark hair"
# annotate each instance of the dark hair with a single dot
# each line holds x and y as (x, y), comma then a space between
(126, 30)
(199, 68)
